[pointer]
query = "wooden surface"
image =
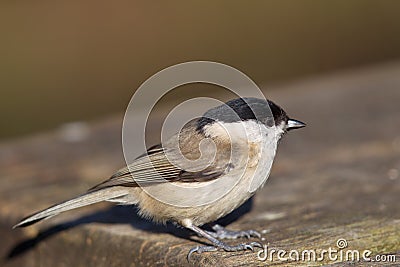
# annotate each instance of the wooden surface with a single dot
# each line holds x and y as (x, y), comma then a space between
(337, 178)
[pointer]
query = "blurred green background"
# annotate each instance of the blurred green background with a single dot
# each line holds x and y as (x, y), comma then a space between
(82, 60)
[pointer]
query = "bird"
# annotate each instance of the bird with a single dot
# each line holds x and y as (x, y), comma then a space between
(209, 168)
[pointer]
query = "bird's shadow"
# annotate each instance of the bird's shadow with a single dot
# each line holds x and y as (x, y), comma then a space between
(120, 215)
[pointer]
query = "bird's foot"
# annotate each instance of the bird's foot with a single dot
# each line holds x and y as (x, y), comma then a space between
(222, 233)
(221, 245)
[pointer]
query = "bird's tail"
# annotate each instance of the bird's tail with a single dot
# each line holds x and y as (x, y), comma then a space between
(80, 201)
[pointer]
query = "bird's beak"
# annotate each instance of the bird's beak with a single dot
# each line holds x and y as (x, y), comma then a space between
(294, 124)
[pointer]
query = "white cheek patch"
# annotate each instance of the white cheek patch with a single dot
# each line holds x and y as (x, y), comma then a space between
(242, 130)
(261, 144)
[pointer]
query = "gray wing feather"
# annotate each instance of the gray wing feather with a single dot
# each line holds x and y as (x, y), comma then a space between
(154, 167)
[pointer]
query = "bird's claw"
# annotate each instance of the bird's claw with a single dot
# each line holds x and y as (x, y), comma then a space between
(240, 247)
(201, 249)
(254, 244)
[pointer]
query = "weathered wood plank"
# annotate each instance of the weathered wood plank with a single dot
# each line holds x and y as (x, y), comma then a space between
(337, 178)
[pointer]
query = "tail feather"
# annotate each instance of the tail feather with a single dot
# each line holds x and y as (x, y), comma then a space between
(80, 201)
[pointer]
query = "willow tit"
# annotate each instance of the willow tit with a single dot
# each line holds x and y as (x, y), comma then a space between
(212, 166)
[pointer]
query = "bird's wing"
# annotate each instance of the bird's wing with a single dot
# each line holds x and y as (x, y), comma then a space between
(154, 167)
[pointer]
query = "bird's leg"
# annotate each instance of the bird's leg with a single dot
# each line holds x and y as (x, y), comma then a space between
(222, 233)
(216, 244)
